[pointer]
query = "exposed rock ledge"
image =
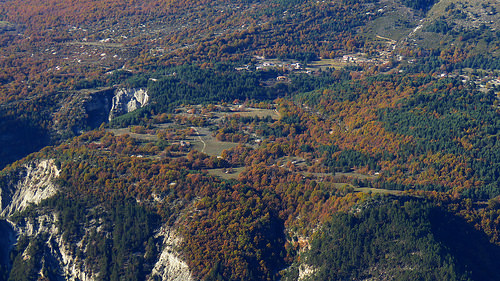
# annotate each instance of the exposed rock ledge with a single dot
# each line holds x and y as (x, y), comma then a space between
(127, 100)
(55, 253)
(30, 184)
(169, 266)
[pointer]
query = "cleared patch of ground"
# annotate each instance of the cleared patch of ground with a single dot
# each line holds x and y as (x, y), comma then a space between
(208, 144)
(143, 137)
(396, 23)
(227, 174)
(356, 175)
(257, 112)
(327, 63)
(6, 24)
(376, 190)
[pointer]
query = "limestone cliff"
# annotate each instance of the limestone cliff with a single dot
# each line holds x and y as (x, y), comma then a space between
(59, 254)
(55, 254)
(170, 266)
(31, 183)
(127, 100)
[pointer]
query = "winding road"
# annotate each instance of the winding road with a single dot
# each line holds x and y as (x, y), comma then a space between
(199, 137)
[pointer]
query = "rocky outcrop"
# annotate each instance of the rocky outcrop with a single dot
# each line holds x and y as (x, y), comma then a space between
(56, 252)
(170, 266)
(127, 100)
(57, 255)
(29, 184)
(306, 271)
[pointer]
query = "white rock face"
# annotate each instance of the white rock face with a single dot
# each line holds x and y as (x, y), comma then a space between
(73, 268)
(306, 271)
(58, 250)
(127, 100)
(170, 267)
(34, 185)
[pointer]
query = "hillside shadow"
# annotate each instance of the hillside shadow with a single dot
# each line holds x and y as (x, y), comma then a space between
(18, 138)
(7, 241)
(471, 248)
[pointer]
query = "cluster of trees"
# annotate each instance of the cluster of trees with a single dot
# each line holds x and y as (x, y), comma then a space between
(345, 160)
(419, 4)
(237, 235)
(118, 236)
(417, 132)
(438, 121)
(27, 259)
(404, 239)
(191, 84)
(450, 118)
(384, 123)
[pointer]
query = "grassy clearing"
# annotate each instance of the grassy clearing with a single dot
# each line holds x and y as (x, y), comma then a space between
(327, 63)
(142, 137)
(376, 190)
(212, 147)
(355, 175)
(227, 176)
(6, 26)
(203, 142)
(390, 26)
(261, 113)
(208, 144)
(342, 185)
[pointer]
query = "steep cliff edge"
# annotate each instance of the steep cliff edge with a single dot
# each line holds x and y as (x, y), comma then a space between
(31, 183)
(127, 100)
(54, 256)
(60, 256)
(67, 240)
(58, 259)
(170, 266)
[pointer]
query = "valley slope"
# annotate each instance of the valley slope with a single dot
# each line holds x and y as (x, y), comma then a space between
(249, 140)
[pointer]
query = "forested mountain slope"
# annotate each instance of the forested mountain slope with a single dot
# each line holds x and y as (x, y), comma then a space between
(249, 140)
